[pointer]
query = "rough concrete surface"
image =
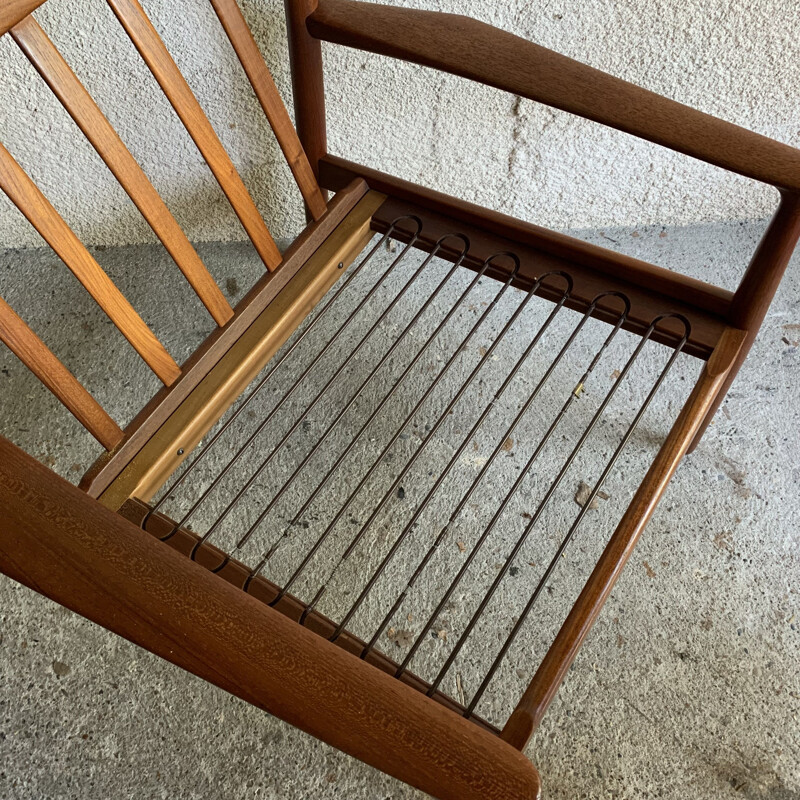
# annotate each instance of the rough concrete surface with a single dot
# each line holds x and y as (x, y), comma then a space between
(687, 685)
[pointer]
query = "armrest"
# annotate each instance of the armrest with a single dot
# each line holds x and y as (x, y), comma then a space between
(56, 540)
(475, 50)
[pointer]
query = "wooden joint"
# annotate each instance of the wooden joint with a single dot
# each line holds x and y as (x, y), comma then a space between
(14, 11)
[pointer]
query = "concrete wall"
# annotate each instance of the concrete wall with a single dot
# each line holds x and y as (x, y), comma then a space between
(739, 61)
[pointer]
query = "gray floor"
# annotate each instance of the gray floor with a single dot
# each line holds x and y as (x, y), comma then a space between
(688, 684)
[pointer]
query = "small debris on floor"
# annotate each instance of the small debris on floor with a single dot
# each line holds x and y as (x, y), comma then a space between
(232, 287)
(723, 541)
(526, 515)
(61, 669)
(401, 493)
(585, 492)
(461, 546)
(651, 573)
(615, 374)
(401, 638)
(508, 444)
(514, 571)
(460, 688)
(441, 634)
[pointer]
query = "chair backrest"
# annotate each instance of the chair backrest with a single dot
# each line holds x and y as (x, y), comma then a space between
(16, 20)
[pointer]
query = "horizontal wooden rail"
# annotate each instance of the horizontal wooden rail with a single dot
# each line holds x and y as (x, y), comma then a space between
(61, 543)
(168, 447)
(213, 349)
(236, 573)
(542, 689)
(475, 50)
(336, 172)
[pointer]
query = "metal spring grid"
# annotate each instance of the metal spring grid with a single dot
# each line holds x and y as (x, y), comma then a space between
(414, 449)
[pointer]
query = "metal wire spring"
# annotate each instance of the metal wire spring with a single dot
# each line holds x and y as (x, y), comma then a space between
(449, 307)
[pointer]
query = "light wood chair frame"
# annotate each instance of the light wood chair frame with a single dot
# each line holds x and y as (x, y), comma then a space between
(70, 543)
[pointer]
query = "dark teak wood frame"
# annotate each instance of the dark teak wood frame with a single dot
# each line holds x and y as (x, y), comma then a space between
(70, 545)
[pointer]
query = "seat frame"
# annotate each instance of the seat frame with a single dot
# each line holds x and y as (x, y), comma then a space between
(70, 543)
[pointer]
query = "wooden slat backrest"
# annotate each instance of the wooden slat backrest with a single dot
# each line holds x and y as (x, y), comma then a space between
(147, 41)
(24, 193)
(43, 54)
(16, 18)
(244, 44)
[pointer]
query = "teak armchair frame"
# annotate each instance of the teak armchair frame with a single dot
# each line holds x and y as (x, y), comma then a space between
(170, 590)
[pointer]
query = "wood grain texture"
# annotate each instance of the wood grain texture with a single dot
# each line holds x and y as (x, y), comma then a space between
(475, 50)
(13, 11)
(44, 56)
(758, 286)
(587, 283)
(22, 191)
(237, 574)
(61, 543)
(100, 475)
(308, 87)
(147, 41)
(266, 91)
(168, 447)
(542, 689)
(336, 172)
(41, 361)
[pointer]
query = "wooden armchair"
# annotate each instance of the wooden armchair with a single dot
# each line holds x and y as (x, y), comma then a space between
(192, 582)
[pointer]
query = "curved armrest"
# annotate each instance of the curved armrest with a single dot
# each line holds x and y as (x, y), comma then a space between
(475, 50)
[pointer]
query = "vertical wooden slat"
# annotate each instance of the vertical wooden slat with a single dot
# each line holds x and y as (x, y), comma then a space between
(24, 193)
(260, 78)
(44, 56)
(147, 41)
(39, 359)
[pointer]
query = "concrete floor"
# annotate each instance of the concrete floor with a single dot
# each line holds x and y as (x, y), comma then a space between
(688, 685)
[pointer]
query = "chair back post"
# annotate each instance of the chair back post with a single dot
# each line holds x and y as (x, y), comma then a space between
(308, 87)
